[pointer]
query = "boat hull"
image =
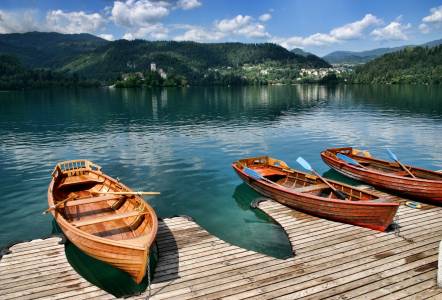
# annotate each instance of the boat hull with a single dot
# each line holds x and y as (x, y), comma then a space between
(128, 259)
(107, 241)
(377, 216)
(410, 187)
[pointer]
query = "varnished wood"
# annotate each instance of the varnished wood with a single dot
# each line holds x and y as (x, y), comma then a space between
(386, 175)
(90, 200)
(333, 261)
(308, 193)
(109, 218)
(118, 229)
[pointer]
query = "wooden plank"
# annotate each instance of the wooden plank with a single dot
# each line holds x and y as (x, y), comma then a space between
(90, 200)
(109, 218)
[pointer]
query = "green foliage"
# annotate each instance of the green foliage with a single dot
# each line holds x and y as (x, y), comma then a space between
(188, 59)
(184, 62)
(14, 76)
(150, 79)
(48, 49)
(417, 65)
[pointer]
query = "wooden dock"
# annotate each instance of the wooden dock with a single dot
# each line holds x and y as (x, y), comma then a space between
(333, 261)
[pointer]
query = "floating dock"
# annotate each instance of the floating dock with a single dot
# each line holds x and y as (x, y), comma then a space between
(332, 261)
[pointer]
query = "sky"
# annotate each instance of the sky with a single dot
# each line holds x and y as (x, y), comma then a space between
(318, 26)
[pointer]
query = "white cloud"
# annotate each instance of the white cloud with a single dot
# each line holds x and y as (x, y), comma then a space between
(424, 28)
(243, 26)
(74, 22)
(199, 34)
(188, 4)
(355, 30)
(107, 36)
(236, 23)
(265, 17)
(240, 25)
(23, 21)
(153, 31)
(435, 16)
(139, 13)
(394, 31)
(348, 31)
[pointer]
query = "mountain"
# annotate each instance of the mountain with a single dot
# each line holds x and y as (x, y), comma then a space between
(48, 49)
(361, 57)
(95, 58)
(14, 76)
(301, 52)
(432, 43)
(416, 65)
(189, 59)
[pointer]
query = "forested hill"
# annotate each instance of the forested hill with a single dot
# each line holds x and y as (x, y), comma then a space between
(189, 59)
(422, 65)
(48, 49)
(96, 58)
(13, 76)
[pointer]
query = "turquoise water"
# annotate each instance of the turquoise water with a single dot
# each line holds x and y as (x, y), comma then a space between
(181, 142)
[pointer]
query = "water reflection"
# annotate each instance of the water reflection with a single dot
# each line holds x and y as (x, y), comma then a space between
(181, 141)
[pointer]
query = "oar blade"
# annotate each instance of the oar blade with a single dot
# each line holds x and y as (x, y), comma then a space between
(304, 164)
(392, 155)
(252, 173)
(347, 159)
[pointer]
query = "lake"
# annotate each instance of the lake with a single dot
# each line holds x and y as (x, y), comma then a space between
(182, 141)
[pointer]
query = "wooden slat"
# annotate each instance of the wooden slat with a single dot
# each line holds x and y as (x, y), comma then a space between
(333, 261)
(310, 188)
(93, 200)
(109, 218)
(81, 179)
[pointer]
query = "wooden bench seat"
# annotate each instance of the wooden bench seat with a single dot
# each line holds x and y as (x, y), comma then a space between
(79, 179)
(311, 188)
(89, 200)
(109, 218)
(266, 171)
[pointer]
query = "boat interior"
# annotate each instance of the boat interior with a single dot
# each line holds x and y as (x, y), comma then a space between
(385, 166)
(278, 172)
(87, 206)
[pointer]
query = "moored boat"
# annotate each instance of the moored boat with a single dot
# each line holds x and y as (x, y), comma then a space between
(307, 193)
(420, 184)
(102, 216)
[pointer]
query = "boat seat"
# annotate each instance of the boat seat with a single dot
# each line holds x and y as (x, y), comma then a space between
(109, 218)
(310, 188)
(89, 200)
(264, 171)
(79, 179)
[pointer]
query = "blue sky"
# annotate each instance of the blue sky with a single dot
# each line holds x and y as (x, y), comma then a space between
(319, 26)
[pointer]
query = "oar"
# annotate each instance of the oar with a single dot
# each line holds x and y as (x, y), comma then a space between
(349, 160)
(255, 175)
(308, 167)
(58, 204)
(394, 157)
(127, 193)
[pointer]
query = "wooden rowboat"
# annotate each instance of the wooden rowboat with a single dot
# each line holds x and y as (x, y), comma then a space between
(386, 175)
(118, 229)
(307, 193)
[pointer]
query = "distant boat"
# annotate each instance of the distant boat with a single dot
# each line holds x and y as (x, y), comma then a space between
(102, 216)
(307, 193)
(386, 175)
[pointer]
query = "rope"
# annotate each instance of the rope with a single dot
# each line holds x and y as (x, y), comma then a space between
(397, 230)
(148, 277)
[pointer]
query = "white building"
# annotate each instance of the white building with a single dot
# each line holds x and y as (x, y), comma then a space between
(153, 67)
(162, 73)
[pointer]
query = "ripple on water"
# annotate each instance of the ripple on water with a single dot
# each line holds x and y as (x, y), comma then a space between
(182, 142)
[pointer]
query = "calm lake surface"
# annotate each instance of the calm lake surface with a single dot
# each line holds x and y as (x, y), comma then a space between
(182, 141)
